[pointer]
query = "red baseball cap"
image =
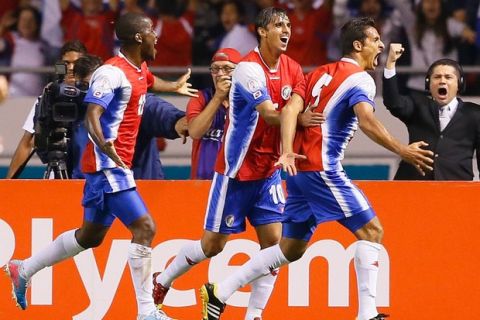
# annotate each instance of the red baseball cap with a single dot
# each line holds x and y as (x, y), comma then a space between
(227, 54)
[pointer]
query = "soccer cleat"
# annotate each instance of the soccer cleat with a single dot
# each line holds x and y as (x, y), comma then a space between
(159, 292)
(212, 307)
(155, 315)
(19, 283)
(381, 316)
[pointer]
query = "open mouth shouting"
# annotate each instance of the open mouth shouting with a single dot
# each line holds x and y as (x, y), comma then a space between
(284, 40)
(376, 59)
(442, 93)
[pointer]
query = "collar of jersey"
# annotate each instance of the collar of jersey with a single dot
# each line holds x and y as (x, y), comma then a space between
(345, 59)
(121, 55)
(261, 58)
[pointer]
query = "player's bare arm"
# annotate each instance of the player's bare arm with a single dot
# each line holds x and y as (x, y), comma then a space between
(181, 86)
(269, 113)
(374, 129)
(92, 123)
(288, 120)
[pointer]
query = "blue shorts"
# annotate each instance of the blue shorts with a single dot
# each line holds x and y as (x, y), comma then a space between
(109, 194)
(231, 201)
(317, 197)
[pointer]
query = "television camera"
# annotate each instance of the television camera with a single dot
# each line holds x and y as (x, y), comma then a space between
(58, 108)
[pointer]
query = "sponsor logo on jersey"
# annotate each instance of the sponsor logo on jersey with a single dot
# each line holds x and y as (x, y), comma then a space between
(257, 94)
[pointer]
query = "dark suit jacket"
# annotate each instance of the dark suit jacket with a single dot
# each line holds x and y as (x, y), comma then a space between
(453, 147)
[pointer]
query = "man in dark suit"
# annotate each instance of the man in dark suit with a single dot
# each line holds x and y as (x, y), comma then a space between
(450, 126)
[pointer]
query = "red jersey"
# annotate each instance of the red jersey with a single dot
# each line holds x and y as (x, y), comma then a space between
(120, 87)
(333, 89)
(251, 146)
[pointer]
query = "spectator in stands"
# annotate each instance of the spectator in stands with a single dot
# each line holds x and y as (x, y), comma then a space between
(207, 114)
(431, 35)
(23, 47)
(236, 34)
(92, 24)
(450, 126)
(174, 29)
(308, 44)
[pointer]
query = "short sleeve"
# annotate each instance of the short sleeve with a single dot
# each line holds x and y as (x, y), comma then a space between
(28, 125)
(363, 91)
(105, 80)
(250, 83)
(195, 106)
(300, 84)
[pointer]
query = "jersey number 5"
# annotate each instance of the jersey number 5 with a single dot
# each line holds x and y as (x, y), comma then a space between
(317, 89)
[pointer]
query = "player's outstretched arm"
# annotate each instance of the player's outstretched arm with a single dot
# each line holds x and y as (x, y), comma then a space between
(181, 86)
(92, 123)
(420, 158)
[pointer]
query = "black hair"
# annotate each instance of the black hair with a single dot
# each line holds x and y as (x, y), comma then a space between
(128, 25)
(36, 15)
(440, 27)
(447, 62)
(86, 64)
(354, 30)
(238, 6)
(266, 16)
(74, 45)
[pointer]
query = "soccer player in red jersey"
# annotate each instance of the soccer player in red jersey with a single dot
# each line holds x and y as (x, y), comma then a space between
(246, 184)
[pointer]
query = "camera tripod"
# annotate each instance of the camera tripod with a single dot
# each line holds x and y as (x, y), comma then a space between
(56, 168)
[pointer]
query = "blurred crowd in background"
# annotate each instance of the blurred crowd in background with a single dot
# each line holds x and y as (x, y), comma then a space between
(190, 31)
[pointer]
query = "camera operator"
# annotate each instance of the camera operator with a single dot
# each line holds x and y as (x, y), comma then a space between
(70, 52)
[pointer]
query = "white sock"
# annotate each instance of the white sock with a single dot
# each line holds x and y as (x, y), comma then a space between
(63, 247)
(261, 290)
(366, 268)
(264, 262)
(140, 262)
(189, 255)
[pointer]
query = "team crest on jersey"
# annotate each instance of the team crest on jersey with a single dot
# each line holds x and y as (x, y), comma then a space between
(229, 220)
(97, 94)
(286, 92)
(253, 85)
